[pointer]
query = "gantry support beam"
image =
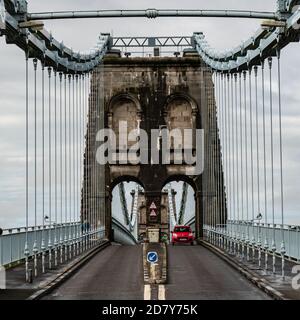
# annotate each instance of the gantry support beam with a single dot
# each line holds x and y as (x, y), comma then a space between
(14, 18)
(152, 14)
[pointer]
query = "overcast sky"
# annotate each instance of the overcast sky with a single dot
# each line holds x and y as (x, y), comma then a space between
(82, 35)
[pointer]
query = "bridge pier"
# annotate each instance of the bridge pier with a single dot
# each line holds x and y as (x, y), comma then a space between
(152, 94)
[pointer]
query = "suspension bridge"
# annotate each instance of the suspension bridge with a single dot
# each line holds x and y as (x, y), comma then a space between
(233, 97)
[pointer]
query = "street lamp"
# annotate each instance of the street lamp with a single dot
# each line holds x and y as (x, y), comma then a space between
(259, 217)
(47, 220)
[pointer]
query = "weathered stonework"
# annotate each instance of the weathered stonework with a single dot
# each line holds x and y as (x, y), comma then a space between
(152, 93)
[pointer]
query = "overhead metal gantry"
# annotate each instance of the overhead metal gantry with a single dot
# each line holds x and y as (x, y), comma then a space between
(17, 24)
(167, 41)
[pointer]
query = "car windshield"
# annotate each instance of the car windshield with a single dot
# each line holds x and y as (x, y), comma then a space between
(182, 229)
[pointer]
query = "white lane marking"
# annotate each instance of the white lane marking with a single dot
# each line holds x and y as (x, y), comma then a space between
(147, 292)
(161, 292)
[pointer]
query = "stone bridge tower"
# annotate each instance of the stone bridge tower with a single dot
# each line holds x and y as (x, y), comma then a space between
(153, 93)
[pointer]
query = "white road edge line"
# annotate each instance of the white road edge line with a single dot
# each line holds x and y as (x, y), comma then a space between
(147, 292)
(161, 292)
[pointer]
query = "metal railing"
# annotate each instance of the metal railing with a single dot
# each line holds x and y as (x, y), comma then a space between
(12, 241)
(259, 235)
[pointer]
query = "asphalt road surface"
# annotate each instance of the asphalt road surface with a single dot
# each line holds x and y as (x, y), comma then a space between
(113, 274)
(195, 273)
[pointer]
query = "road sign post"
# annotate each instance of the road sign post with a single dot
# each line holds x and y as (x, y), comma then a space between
(152, 257)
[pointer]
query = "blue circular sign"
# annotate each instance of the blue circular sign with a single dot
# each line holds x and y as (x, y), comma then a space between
(152, 257)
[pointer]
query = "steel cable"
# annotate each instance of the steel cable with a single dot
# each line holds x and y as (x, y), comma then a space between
(35, 248)
(282, 249)
(50, 168)
(26, 248)
(43, 245)
(266, 242)
(273, 248)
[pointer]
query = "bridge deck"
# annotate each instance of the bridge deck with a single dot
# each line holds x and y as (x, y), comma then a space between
(197, 273)
(115, 273)
(194, 273)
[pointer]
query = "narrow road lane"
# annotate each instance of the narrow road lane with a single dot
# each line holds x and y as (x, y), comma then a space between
(195, 273)
(115, 273)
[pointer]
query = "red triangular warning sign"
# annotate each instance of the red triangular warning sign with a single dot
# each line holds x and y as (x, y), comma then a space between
(153, 213)
(153, 206)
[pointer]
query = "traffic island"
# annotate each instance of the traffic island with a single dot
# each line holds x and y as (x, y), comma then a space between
(155, 263)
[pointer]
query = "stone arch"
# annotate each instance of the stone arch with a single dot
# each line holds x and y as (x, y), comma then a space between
(142, 209)
(125, 178)
(180, 177)
(196, 186)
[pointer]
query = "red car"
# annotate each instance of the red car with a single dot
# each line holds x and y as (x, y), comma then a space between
(183, 234)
